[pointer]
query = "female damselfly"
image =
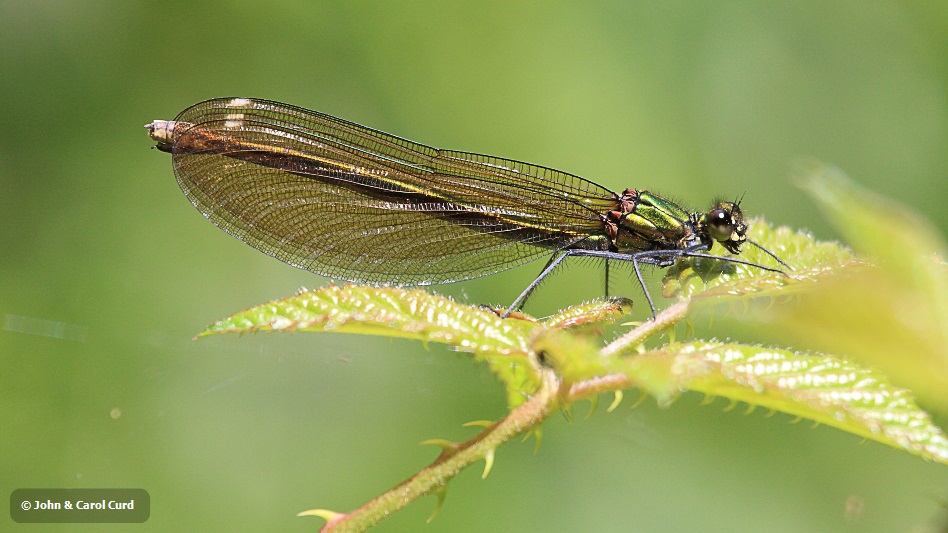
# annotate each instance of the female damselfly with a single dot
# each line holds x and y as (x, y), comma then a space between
(356, 204)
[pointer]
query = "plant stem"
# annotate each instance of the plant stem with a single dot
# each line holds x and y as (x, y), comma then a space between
(454, 459)
(666, 319)
(591, 387)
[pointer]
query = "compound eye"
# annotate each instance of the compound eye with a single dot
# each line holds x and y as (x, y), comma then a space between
(720, 225)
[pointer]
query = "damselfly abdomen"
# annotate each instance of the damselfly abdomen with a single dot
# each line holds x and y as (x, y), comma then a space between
(356, 204)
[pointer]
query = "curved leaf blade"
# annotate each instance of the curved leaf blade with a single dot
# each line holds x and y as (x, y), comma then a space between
(825, 389)
(386, 311)
(894, 315)
(395, 312)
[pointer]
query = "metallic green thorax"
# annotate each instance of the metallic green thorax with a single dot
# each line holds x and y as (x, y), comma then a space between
(645, 221)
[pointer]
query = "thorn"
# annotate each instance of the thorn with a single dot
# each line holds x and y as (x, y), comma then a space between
(671, 334)
(815, 425)
(666, 400)
(796, 420)
(478, 423)
(444, 444)
(325, 514)
(708, 399)
(594, 402)
(750, 409)
(770, 413)
(441, 494)
(535, 432)
(488, 462)
(615, 402)
(730, 407)
(639, 401)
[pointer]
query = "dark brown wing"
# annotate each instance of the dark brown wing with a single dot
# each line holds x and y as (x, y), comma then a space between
(352, 203)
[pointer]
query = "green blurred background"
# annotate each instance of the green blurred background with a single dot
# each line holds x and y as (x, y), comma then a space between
(106, 270)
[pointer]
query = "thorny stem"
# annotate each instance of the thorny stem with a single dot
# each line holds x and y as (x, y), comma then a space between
(454, 459)
(666, 319)
(591, 387)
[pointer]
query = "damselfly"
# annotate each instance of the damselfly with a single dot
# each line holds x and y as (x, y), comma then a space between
(353, 203)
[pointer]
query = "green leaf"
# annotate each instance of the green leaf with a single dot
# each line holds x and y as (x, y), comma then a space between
(892, 315)
(387, 311)
(811, 260)
(395, 312)
(876, 226)
(825, 389)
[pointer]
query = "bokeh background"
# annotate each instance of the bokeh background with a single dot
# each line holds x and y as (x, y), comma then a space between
(106, 271)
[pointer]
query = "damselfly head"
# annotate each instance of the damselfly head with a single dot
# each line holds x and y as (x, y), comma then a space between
(725, 224)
